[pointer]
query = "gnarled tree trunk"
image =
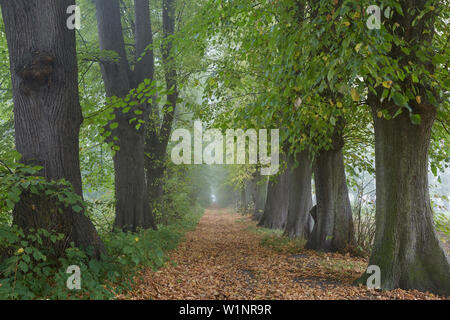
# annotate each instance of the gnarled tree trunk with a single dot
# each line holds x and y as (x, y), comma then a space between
(333, 225)
(47, 112)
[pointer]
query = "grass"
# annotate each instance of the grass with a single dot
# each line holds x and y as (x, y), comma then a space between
(277, 241)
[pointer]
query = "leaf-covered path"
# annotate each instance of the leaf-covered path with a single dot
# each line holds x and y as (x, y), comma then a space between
(224, 258)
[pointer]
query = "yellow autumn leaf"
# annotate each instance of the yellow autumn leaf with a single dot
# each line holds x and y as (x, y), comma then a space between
(339, 104)
(387, 84)
(379, 114)
(346, 23)
(355, 94)
(419, 99)
(358, 47)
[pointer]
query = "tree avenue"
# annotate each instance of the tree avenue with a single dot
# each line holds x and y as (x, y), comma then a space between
(280, 149)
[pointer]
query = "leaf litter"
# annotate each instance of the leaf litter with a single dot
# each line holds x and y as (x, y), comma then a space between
(223, 259)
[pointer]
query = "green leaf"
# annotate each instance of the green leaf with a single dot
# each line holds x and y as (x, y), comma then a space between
(77, 209)
(399, 99)
(399, 111)
(415, 118)
(23, 266)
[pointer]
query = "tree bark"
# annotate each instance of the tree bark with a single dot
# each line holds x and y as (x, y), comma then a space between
(406, 246)
(155, 157)
(333, 225)
(276, 208)
(300, 198)
(47, 113)
(145, 60)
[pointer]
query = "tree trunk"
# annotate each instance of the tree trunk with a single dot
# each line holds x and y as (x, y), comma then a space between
(158, 134)
(145, 69)
(155, 157)
(132, 207)
(242, 205)
(300, 198)
(261, 194)
(406, 246)
(236, 200)
(250, 195)
(276, 208)
(333, 226)
(47, 113)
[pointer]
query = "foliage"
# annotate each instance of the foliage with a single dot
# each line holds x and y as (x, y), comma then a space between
(17, 179)
(442, 223)
(28, 271)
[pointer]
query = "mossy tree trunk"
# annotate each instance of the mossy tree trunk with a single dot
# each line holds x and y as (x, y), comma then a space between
(406, 246)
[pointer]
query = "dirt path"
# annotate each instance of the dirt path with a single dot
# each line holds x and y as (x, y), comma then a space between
(224, 259)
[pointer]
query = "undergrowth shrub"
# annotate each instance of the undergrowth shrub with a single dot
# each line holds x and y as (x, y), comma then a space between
(364, 226)
(30, 267)
(29, 270)
(179, 195)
